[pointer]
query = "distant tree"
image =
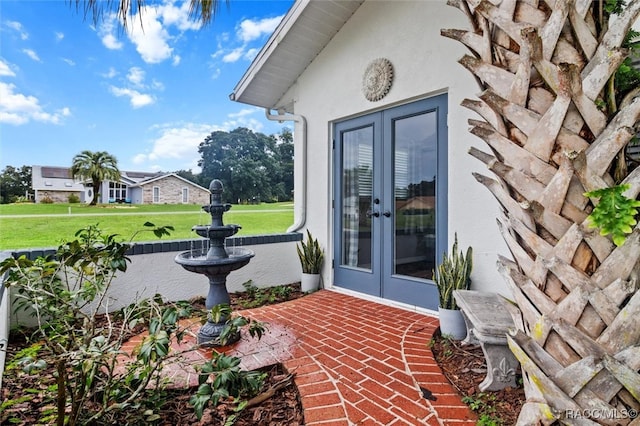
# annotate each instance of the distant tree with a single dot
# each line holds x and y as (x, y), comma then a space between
(192, 177)
(248, 164)
(14, 183)
(96, 167)
(284, 157)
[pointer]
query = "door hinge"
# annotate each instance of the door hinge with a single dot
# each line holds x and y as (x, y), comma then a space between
(333, 144)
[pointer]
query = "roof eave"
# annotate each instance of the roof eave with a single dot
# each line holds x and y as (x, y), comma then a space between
(322, 19)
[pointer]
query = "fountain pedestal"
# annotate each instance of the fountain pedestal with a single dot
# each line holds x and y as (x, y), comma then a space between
(216, 264)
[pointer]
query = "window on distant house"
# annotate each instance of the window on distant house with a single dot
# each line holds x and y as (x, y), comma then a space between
(185, 195)
(117, 191)
(156, 194)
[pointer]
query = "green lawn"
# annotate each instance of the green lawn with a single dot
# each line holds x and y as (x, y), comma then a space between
(46, 225)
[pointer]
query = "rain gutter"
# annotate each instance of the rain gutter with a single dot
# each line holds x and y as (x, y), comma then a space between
(302, 217)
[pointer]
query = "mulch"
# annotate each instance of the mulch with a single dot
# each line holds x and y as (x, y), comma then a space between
(465, 367)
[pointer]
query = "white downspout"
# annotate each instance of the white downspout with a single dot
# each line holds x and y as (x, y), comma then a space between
(302, 217)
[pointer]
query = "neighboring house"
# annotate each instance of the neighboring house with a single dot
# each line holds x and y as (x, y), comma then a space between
(383, 177)
(56, 184)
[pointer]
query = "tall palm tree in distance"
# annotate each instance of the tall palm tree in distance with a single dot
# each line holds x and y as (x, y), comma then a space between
(96, 167)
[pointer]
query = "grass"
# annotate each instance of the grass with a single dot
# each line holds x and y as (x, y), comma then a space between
(47, 225)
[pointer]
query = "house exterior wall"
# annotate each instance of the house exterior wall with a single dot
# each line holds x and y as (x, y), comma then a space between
(153, 270)
(55, 189)
(170, 188)
(425, 64)
(56, 196)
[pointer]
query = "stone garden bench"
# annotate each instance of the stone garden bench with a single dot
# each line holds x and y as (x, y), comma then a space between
(488, 322)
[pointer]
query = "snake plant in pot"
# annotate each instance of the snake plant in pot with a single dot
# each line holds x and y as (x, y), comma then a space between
(453, 273)
(311, 257)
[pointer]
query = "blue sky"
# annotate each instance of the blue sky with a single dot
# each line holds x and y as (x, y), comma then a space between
(149, 98)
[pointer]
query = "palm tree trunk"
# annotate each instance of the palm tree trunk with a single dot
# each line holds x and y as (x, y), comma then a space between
(543, 66)
(96, 192)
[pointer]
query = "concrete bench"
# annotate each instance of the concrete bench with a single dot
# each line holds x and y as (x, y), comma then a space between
(488, 322)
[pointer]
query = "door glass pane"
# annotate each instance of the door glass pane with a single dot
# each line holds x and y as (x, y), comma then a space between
(414, 169)
(357, 180)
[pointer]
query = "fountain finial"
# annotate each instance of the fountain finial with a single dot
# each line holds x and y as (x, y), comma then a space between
(216, 188)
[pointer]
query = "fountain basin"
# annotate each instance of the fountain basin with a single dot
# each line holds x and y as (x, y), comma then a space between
(195, 261)
(208, 231)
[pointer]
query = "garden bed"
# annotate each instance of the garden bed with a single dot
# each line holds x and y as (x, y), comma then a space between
(465, 367)
(29, 398)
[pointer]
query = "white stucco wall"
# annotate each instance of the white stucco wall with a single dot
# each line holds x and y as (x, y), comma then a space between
(157, 273)
(425, 64)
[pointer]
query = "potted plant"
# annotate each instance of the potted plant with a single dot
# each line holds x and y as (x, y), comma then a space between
(311, 256)
(453, 274)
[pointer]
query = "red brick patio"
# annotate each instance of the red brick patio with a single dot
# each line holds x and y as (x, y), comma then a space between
(356, 362)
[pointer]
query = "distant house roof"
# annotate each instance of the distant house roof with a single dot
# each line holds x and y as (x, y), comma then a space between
(54, 177)
(301, 35)
(55, 172)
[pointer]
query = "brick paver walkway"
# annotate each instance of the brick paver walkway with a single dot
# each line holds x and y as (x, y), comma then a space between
(356, 362)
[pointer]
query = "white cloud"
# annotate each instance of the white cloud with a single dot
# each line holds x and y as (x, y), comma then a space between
(137, 99)
(17, 108)
(150, 38)
(178, 16)
(111, 73)
(107, 33)
(252, 30)
(69, 62)
(59, 35)
(5, 69)
(176, 60)
(136, 76)
(234, 55)
(248, 31)
(176, 142)
(250, 54)
(243, 113)
(32, 54)
(17, 26)
(157, 85)
(111, 42)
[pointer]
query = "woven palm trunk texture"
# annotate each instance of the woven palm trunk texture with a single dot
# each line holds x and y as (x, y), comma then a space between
(543, 66)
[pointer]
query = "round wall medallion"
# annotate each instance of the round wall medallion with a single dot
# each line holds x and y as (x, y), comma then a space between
(377, 79)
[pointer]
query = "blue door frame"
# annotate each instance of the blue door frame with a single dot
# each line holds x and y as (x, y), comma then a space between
(390, 217)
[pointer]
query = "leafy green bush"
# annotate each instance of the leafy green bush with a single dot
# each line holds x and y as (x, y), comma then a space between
(65, 293)
(74, 198)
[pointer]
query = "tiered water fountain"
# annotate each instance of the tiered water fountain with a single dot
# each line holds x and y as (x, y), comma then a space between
(217, 263)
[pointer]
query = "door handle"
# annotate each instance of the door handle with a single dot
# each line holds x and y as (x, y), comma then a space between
(386, 213)
(373, 213)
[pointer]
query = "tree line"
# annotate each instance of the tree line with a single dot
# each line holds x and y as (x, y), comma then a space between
(253, 167)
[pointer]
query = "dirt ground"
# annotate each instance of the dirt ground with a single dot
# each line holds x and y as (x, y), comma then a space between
(465, 367)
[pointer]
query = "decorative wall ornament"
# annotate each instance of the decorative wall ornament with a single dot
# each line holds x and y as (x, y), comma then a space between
(377, 79)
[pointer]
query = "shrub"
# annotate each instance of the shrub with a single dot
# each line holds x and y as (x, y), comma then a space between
(73, 198)
(46, 200)
(65, 294)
